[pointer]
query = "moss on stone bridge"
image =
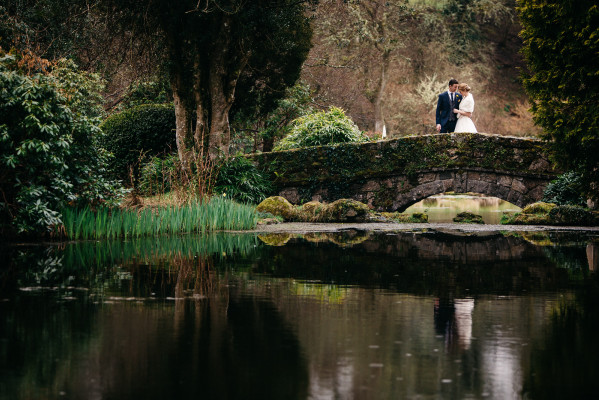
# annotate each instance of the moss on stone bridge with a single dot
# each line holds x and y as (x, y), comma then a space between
(335, 169)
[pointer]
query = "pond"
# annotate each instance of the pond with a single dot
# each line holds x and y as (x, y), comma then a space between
(443, 208)
(346, 315)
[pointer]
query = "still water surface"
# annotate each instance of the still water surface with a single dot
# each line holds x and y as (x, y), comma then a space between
(352, 315)
(443, 208)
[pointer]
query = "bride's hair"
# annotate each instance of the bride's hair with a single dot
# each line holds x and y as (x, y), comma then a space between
(464, 87)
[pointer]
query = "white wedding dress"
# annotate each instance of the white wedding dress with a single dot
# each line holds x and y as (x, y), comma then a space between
(465, 123)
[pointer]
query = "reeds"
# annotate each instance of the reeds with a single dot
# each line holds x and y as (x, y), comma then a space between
(215, 214)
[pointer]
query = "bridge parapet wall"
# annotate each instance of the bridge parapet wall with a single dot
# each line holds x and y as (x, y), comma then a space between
(393, 174)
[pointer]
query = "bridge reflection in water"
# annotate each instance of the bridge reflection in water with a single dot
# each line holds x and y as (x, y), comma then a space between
(443, 208)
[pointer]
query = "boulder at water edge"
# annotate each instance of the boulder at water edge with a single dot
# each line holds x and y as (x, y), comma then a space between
(277, 206)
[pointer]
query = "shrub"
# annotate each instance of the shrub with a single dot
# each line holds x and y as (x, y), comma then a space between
(146, 92)
(322, 128)
(566, 189)
(48, 152)
(571, 215)
(241, 180)
(147, 130)
(156, 175)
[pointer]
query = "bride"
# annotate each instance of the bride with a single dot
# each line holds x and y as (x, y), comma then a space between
(465, 124)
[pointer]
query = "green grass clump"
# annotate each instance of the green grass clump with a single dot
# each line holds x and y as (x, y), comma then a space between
(217, 213)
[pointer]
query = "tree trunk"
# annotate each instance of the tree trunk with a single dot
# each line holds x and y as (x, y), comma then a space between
(183, 132)
(379, 101)
(202, 118)
(225, 68)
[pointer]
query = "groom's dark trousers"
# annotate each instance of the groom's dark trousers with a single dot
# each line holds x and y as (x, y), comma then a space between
(444, 114)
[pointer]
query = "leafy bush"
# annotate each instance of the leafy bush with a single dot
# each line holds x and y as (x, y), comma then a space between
(156, 174)
(566, 189)
(571, 215)
(241, 180)
(146, 130)
(322, 128)
(48, 152)
(146, 92)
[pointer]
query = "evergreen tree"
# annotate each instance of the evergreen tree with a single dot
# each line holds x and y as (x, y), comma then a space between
(561, 46)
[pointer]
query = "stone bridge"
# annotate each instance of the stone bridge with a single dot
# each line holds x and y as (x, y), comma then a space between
(394, 174)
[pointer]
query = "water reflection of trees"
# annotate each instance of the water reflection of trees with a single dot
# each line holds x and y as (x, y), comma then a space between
(160, 322)
(563, 363)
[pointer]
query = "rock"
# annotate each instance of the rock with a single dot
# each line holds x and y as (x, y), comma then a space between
(530, 219)
(344, 210)
(468, 218)
(538, 208)
(406, 218)
(278, 206)
(310, 211)
(419, 217)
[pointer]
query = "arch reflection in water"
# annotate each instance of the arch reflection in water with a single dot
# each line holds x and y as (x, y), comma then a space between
(443, 208)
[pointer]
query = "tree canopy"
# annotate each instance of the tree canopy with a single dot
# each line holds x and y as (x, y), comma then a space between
(214, 48)
(561, 46)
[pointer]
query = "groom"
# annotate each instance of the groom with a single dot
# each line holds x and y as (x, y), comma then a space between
(446, 118)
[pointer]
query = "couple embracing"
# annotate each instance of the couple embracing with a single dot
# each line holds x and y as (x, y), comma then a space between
(454, 109)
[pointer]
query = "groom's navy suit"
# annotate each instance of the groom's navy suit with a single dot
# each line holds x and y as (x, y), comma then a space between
(445, 115)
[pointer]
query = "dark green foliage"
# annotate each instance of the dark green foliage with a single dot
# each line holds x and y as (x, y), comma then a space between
(566, 189)
(145, 130)
(223, 52)
(12, 31)
(322, 128)
(571, 215)
(48, 152)
(156, 174)
(566, 356)
(561, 46)
(146, 92)
(271, 127)
(239, 179)
(283, 40)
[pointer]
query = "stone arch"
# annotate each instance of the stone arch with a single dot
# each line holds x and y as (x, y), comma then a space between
(519, 190)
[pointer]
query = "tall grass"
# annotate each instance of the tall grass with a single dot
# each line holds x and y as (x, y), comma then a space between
(215, 214)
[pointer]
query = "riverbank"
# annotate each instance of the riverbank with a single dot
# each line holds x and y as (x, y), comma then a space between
(308, 227)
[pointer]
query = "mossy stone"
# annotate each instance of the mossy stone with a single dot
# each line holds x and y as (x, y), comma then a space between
(468, 218)
(312, 207)
(419, 217)
(278, 206)
(531, 219)
(538, 208)
(406, 218)
(344, 210)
